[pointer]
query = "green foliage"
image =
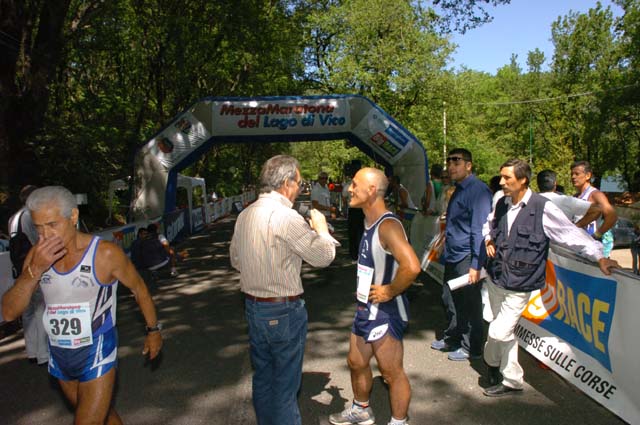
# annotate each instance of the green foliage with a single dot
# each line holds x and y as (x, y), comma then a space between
(330, 157)
(123, 68)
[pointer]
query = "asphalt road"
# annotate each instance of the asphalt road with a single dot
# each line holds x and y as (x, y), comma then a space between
(204, 375)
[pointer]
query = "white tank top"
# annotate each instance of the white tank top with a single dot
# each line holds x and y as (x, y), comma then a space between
(591, 227)
(81, 285)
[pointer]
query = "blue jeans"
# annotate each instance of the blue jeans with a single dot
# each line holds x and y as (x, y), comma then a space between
(277, 334)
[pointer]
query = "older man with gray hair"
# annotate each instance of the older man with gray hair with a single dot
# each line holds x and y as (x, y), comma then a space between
(79, 274)
(269, 243)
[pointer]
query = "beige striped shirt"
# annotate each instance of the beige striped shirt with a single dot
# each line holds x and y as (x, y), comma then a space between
(269, 242)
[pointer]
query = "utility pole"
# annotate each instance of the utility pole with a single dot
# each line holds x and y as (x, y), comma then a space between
(444, 134)
(531, 140)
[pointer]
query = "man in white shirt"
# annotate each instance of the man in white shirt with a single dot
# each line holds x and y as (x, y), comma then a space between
(579, 211)
(517, 266)
(321, 197)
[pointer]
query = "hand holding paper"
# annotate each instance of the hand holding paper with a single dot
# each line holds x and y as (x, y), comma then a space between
(463, 280)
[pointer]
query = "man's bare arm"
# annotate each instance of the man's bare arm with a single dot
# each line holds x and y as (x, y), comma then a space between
(111, 257)
(609, 214)
(393, 239)
(592, 214)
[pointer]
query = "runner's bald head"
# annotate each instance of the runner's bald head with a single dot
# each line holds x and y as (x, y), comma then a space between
(375, 177)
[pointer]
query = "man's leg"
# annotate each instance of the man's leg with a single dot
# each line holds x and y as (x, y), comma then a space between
(287, 370)
(453, 303)
(262, 364)
(92, 400)
(492, 348)
(389, 353)
(277, 333)
(471, 318)
(359, 359)
(502, 348)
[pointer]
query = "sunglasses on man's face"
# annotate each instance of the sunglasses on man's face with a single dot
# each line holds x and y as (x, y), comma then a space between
(454, 159)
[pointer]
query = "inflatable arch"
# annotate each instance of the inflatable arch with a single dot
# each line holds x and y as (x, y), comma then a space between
(269, 119)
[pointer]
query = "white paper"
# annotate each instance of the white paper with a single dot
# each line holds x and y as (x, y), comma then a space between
(463, 280)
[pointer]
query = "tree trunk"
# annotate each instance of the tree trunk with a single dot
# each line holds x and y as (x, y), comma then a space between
(31, 49)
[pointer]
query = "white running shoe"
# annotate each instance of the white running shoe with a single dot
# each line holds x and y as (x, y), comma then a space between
(353, 415)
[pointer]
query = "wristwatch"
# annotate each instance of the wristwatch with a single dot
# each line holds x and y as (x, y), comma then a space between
(156, 328)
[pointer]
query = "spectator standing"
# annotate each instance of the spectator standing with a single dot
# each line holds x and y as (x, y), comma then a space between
(355, 219)
(436, 180)
(321, 196)
(635, 249)
(464, 254)
(136, 248)
(269, 243)
(387, 265)
(517, 266)
(581, 174)
(24, 235)
(401, 198)
(496, 189)
(442, 202)
(577, 210)
(152, 228)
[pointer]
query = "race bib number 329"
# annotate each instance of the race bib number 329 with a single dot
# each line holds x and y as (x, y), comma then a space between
(68, 325)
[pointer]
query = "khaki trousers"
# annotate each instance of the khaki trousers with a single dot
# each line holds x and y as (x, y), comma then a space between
(501, 349)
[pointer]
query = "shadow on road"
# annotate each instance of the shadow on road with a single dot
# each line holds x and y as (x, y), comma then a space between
(204, 375)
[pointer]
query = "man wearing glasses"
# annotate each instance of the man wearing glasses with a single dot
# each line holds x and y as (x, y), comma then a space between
(321, 197)
(269, 243)
(464, 254)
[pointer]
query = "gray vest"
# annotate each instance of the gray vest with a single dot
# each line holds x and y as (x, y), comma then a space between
(521, 257)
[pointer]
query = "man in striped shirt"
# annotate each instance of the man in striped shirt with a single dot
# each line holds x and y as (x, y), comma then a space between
(269, 243)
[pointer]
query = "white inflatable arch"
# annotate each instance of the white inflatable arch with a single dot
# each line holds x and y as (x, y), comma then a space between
(271, 119)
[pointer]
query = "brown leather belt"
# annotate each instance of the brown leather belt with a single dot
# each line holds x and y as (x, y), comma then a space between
(272, 299)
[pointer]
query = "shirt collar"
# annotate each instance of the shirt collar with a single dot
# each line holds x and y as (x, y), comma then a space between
(279, 197)
(466, 182)
(523, 201)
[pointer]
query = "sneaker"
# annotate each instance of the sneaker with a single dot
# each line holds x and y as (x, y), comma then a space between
(441, 345)
(174, 272)
(353, 415)
(461, 354)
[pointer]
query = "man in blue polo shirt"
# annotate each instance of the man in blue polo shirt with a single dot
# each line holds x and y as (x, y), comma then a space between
(464, 254)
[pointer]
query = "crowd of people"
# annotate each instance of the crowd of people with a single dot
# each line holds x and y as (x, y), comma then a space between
(479, 244)
(496, 236)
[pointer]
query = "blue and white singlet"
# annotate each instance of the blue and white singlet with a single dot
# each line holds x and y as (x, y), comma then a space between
(80, 319)
(378, 266)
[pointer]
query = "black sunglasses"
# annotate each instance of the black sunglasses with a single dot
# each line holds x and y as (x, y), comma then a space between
(454, 158)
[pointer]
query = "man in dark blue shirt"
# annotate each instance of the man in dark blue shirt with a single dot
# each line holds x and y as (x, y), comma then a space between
(464, 253)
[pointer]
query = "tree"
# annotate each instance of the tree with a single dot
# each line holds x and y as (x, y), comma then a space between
(463, 15)
(32, 45)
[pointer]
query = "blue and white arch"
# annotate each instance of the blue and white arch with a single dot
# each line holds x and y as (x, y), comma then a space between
(215, 120)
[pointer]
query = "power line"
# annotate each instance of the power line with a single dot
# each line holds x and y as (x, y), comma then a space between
(551, 99)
